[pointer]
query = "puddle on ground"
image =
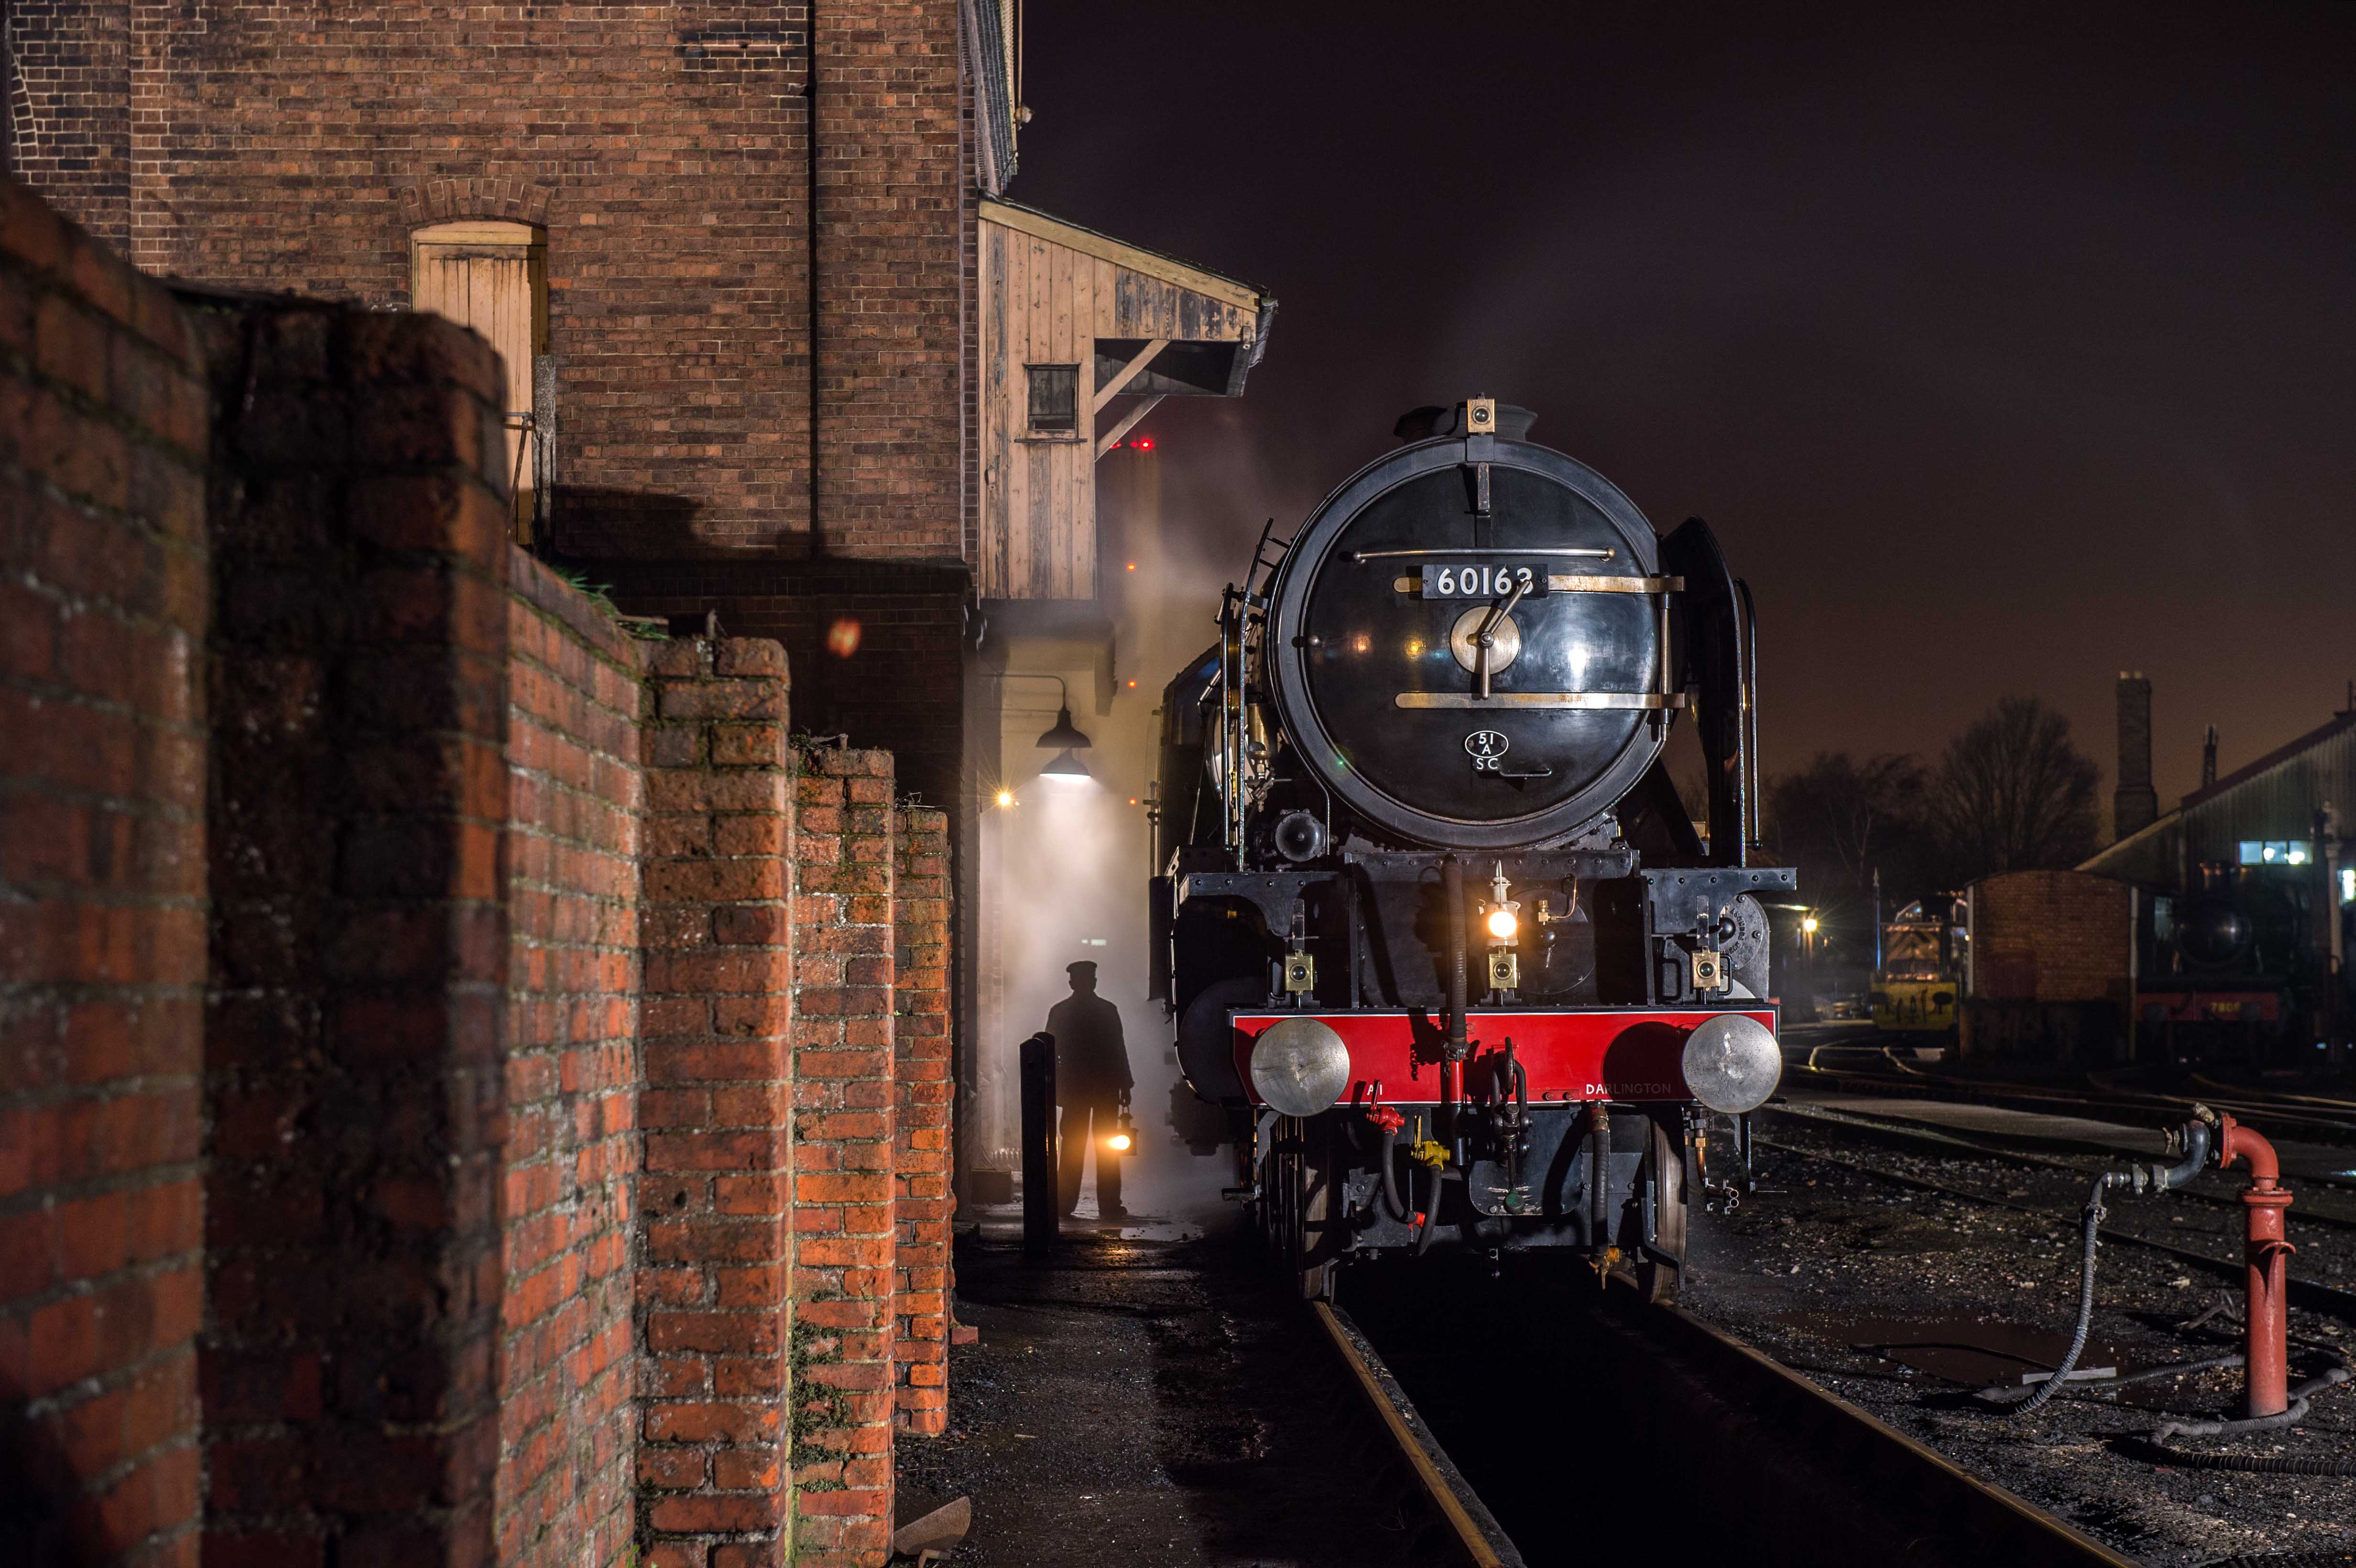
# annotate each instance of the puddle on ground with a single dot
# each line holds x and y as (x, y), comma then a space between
(1979, 1353)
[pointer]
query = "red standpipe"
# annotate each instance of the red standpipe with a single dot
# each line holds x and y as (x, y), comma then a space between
(2267, 1255)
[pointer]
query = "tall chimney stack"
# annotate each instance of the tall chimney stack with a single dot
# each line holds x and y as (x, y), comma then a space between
(2135, 804)
(2209, 758)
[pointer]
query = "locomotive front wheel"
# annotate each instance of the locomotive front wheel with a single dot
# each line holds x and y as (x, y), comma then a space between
(1664, 1167)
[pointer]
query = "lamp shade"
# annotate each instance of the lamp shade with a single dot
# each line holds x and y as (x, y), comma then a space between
(1064, 737)
(1067, 768)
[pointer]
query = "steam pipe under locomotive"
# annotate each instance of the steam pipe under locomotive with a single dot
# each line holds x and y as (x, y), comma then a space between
(1441, 938)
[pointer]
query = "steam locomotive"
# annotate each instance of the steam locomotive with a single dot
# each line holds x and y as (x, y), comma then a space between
(1438, 933)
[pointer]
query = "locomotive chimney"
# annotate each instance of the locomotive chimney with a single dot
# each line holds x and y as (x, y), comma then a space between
(2209, 758)
(2135, 804)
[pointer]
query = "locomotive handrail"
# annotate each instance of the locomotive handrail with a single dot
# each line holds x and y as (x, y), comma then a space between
(1360, 556)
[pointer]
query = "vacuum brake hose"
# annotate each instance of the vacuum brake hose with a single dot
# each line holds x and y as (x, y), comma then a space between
(1391, 1198)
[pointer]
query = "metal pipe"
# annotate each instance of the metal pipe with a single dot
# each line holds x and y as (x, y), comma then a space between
(1598, 1176)
(1451, 885)
(2266, 1253)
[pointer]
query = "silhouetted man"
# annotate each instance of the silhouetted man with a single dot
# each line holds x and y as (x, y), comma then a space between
(1092, 1081)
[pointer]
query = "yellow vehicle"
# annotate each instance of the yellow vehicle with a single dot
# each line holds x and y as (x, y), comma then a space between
(1920, 975)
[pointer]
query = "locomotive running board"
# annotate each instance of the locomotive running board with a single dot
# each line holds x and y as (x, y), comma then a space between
(1482, 1539)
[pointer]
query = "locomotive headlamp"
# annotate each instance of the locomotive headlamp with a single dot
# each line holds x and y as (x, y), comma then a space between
(1732, 1063)
(1300, 1066)
(1503, 924)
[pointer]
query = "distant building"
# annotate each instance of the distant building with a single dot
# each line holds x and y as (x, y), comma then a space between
(2247, 886)
(2264, 815)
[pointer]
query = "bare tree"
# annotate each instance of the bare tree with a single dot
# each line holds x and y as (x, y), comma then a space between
(1842, 818)
(2013, 793)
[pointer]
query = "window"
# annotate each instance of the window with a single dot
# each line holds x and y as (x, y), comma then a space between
(2273, 852)
(1054, 400)
(493, 277)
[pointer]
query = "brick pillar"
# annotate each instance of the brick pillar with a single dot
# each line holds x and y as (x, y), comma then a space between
(102, 610)
(568, 1367)
(924, 1092)
(844, 1093)
(717, 1107)
(359, 795)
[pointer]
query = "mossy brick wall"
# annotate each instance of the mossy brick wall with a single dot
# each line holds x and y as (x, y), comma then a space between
(568, 1368)
(103, 616)
(358, 800)
(925, 1094)
(714, 1313)
(845, 1099)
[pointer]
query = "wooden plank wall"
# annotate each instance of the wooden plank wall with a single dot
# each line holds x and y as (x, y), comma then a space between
(1045, 304)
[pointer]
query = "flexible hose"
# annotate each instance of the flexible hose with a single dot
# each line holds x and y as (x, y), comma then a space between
(2257, 1464)
(2052, 1385)
(1431, 1218)
(1391, 1198)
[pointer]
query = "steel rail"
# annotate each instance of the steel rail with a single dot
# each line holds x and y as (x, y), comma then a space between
(1705, 1373)
(2258, 1112)
(1483, 1540)
(1985, 1145)
(2028, 1536)
(2314, 1296)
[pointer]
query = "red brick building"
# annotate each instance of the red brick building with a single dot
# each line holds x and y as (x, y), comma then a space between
(748, 272)
(780, 344)
(742, 235)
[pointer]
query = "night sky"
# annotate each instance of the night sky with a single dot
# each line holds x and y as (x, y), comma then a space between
(2004, 351)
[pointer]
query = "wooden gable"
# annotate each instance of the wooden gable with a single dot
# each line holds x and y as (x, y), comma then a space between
(1082, 334)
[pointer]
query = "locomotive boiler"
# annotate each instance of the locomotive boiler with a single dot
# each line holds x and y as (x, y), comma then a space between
(1441, 938)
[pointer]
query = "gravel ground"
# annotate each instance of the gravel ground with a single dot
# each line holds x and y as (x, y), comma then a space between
(1901, 1300)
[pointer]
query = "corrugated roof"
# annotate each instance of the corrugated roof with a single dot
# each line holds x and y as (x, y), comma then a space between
(2340, 722)
(2274, 797)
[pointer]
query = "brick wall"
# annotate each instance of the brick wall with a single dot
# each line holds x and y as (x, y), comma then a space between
(890, 294)
(896, 686)
(103, 430)
(678, 222)
(2051, 936)
(491, 888)
(925, 1095)
(845, 1095)
(68, 92)
(576, 795)
(357, 797)
(714, 1310)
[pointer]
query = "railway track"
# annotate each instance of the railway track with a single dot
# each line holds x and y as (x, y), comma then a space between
(2322, 1118)
(1706, 1445)
(1993, 1146)
(2328, 1299)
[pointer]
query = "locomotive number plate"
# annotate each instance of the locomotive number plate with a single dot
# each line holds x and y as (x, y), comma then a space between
(1475, 581)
